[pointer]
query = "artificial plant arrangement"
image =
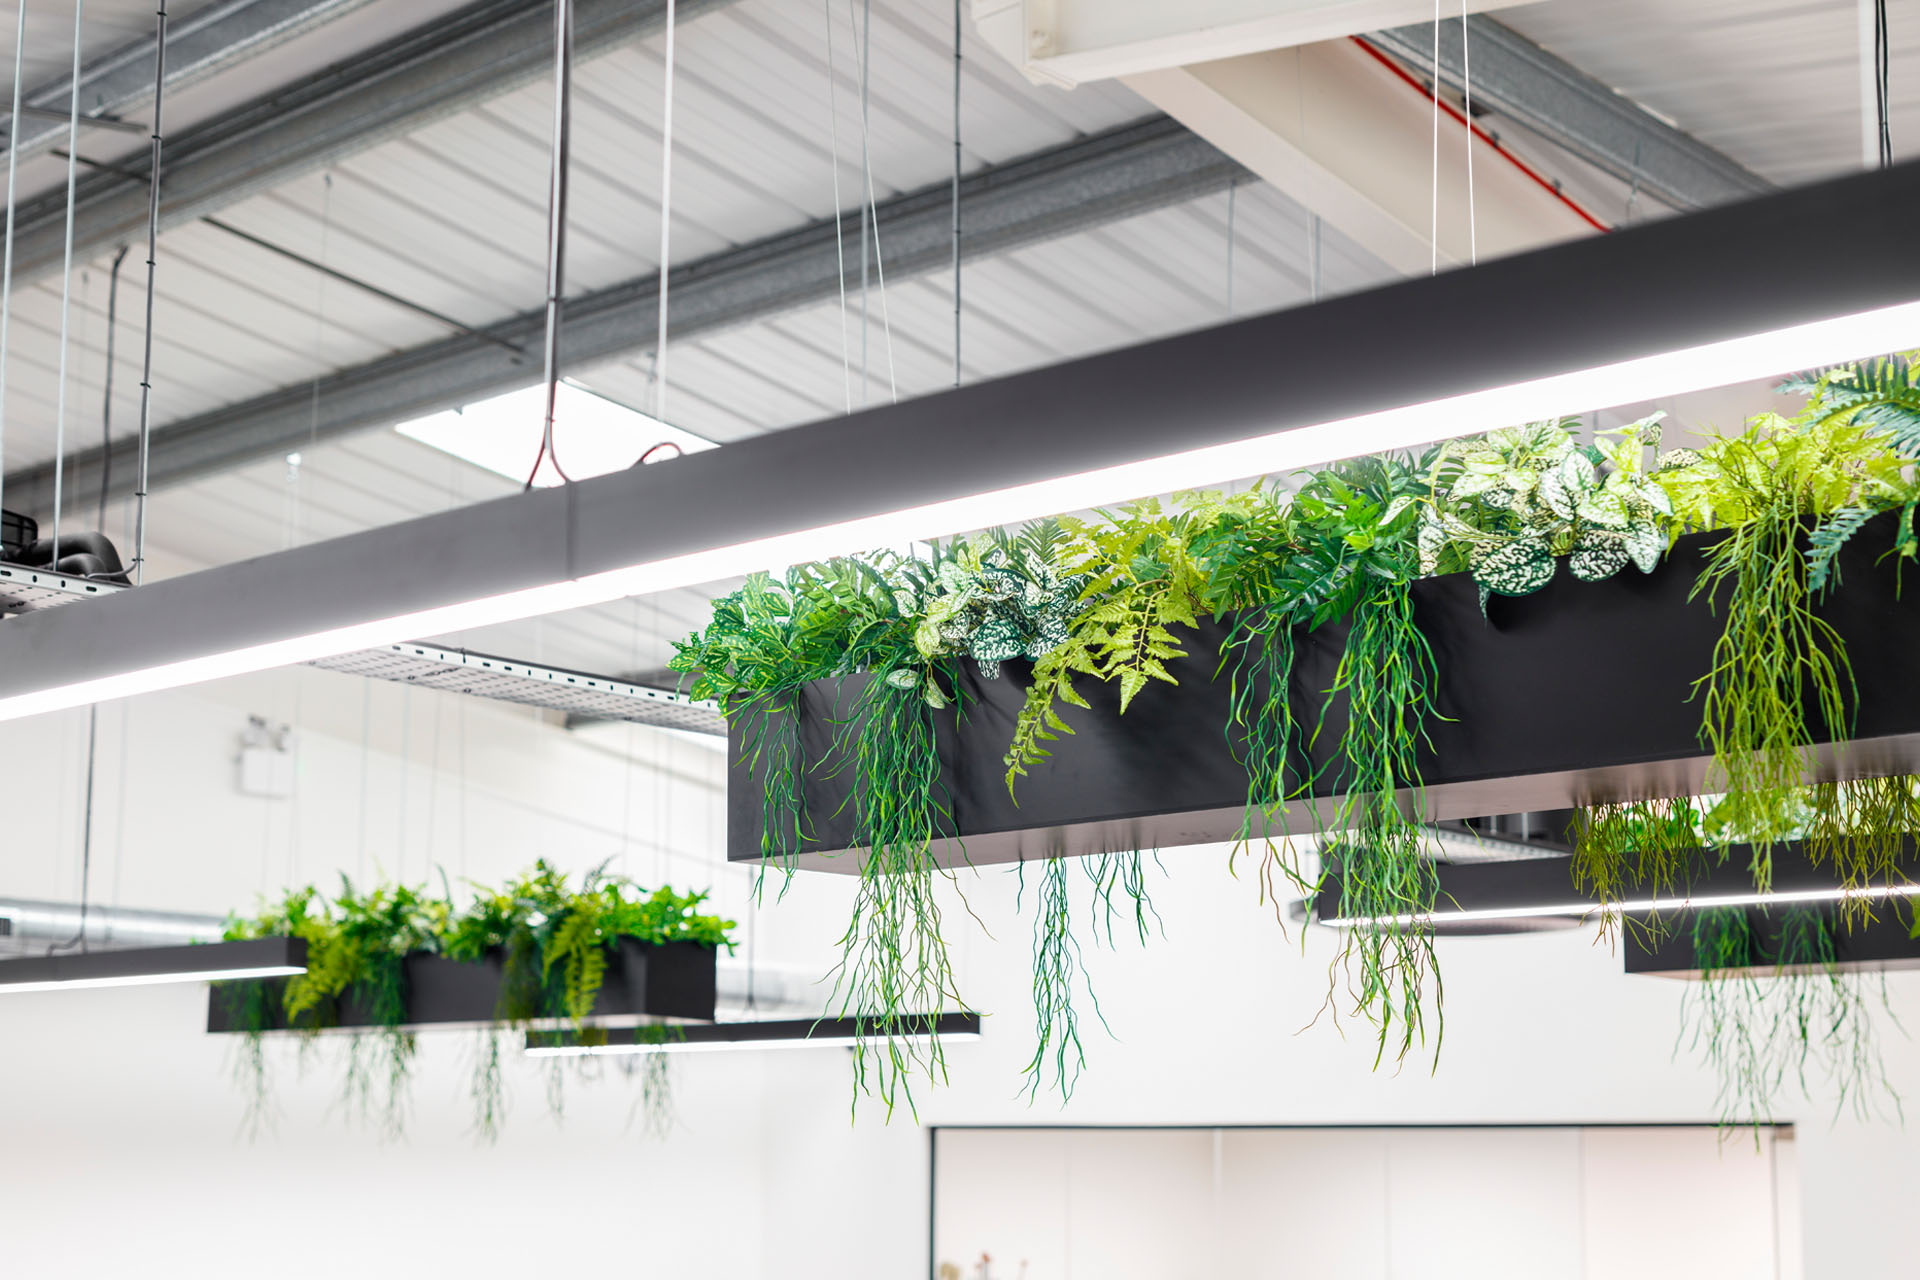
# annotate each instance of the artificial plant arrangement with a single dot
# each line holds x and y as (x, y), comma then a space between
(1116, 596)
(553, 940)
(1786, 495)
(1763, 1026)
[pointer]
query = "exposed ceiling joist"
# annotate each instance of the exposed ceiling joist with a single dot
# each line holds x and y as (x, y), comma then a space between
(1542, 92)
(198, 46)
(1082, 184)
(450, 65)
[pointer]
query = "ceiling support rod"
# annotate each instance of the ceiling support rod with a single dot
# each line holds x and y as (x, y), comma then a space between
(153, 255)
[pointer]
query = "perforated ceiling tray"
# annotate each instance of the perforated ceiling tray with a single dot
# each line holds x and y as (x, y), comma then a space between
(505, 680)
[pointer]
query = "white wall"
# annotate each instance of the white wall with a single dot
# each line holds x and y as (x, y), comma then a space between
(118, 1146)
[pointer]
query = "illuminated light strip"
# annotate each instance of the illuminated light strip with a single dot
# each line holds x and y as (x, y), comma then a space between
(1714, 364)
(737, 1036)
(1580, 909)
(154, 979)
(717, 1046)
(153, 966)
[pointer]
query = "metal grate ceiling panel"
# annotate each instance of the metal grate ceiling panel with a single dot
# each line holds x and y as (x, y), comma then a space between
(24, 590)
(576, 693)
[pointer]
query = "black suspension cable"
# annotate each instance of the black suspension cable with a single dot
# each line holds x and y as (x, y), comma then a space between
(1882, 59)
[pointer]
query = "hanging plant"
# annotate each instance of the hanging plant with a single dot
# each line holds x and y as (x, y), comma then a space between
(552, 942)
(1768, 489)
(1353, 555)
(1648, 848)
(1762, 1031)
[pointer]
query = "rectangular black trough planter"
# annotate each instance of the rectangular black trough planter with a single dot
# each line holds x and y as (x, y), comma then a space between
(1857, 945)
(1582, 692)
(1523, 890)
(674, 980)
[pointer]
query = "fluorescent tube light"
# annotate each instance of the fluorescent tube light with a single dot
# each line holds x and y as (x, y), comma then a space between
(152, 966)
(592, 434)
(800, 1033)
(1696, 368)
(1088, 433)
(1633, 906)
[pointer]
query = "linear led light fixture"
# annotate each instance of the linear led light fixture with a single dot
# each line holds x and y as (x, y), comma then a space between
(798, 1033)
(1632, 906)
(152, 966)
(1662, 308)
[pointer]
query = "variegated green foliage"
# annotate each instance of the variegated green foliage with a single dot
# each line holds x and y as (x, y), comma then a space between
(1507, 506)
(995, 597)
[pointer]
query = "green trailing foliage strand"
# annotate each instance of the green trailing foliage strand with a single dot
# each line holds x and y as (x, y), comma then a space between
(1763, 1027)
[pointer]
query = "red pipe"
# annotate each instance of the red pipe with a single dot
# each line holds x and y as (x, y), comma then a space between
(1545, 182)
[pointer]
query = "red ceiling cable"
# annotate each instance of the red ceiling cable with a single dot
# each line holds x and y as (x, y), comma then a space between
(1545, 182)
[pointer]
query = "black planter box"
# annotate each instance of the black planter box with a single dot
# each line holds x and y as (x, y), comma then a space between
(1582, 692)
(674, 981)
(1530, 883)
(1857, 945)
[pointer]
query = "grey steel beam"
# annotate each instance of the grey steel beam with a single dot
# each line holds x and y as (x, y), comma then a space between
(198, 46)
(1545, 93)
(1086, 183)
(449, 65)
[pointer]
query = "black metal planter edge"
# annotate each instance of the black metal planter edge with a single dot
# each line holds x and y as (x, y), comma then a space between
(674, 980)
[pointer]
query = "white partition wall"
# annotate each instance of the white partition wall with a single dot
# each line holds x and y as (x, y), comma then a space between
(1469, 1203)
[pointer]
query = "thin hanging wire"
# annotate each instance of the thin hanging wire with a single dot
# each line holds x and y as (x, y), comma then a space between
(859, 59)
(153, 254)
(79, 938)
(1433, 213)
(1233, 191)
(1466, 81)
(66, 284)
(666, 225)
(366, 758)
(870, 214)
(839, 236)
(956, 190)
(319, 314)
(556, 229)
(1313, 257)
(6, 271)
(120, 811)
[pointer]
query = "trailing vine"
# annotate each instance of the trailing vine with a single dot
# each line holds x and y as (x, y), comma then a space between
(1644, 847)
(1769, 490)
(1058, 1052)
(895, 969)
(1762, 1027)
(1386, 882)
